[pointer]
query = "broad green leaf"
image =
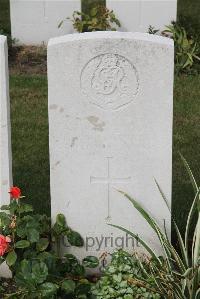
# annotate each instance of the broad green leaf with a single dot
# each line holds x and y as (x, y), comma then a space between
(48, 289)
(42, 244)
(32, 235)
(11, 258)
(22, 244)
(40, 272)
(90, 262)
(68, 286)
(74, 239)
(60, 220)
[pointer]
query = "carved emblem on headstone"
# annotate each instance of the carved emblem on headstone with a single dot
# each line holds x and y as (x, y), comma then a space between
(110, 81)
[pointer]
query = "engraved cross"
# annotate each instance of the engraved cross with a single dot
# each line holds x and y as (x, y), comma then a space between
(108, 180)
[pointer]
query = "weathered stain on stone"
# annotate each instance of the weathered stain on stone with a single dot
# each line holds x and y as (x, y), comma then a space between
(61, 109)
(73, 141)
(53, 107)
(97, 124)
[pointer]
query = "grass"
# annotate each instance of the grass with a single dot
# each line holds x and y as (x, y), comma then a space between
(189, 8)
(30, 130)
(186, 139)
(29, 120)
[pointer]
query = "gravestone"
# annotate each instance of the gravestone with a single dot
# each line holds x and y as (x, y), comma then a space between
(5, 145)
(110, 127)
(34, 22)
(138, 15)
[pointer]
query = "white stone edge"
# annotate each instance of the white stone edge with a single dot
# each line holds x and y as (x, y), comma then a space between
(4, 270)
(3, 39)
(112, 34)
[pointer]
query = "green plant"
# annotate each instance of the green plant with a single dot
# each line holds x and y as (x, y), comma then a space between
(187, 50)
(152, 30)
(99, 18)
(117, 278)
(176, 275)
(27, 244)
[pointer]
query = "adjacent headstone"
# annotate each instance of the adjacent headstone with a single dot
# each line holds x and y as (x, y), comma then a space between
(5, 142)
(138, 15)
(110, 127)
(33, 22)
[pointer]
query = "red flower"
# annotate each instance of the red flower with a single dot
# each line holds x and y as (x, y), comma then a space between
(4, 244)
(15, 192)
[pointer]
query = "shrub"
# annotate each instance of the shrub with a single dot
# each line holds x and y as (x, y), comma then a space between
(26, 241)
(187, 49)
(99, 18)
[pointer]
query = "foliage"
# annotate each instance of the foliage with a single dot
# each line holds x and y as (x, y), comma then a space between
(191, 25)
(99, 18)
(177, 275)
(37, 268)
(187, 50)
(117, 279)
(152, 30)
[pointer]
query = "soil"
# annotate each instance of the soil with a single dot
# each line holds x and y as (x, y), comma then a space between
(30, 60)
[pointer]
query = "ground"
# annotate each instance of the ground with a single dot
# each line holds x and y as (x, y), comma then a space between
(29, 118)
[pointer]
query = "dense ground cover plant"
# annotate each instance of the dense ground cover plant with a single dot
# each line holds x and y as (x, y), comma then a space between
(176, 274)
(99, 18)
(27, 243)
(121, 279)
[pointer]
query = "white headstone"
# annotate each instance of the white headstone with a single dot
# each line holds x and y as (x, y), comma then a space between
(138, 15)
(35, 21)
(110, 121)
(5, 144)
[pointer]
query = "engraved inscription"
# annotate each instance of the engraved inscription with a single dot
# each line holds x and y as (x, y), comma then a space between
(109, 81)
(108, 180)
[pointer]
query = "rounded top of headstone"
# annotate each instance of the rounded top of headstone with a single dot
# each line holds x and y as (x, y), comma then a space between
(112, 35)
(3, 39)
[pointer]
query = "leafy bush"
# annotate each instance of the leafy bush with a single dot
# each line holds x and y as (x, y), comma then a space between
(187, 50)
(177, 274)
(26, 241)
(99, 18)
(122, 279)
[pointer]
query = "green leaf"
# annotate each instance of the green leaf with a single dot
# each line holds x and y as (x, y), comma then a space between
(22, 244)
(93, 11)
(25, 208)
(68, 286)
(90, 262)
(74, 239)
(32, 235)
(48, 289)
(11, 258)
(83, 289)
(40, 271)
(42, 244)
(5, 207)
(60, 220)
